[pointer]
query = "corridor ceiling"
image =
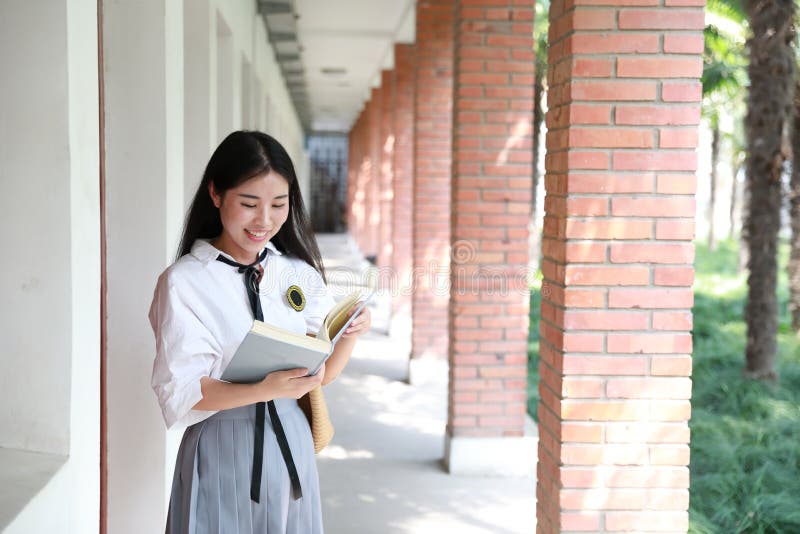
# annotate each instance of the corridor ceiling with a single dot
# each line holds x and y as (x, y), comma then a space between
(338, 52)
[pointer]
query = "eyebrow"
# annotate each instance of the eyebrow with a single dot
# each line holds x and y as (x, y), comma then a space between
(256, 197)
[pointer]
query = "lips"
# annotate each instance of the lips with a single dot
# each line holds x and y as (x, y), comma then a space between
(256, 236)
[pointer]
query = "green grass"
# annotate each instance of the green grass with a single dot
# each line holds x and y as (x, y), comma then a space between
(745, 444)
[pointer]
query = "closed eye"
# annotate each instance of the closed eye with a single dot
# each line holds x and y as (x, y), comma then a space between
(248, 205)
(278, 205)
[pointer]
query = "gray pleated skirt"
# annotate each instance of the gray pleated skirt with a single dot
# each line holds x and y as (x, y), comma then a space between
(211, 485)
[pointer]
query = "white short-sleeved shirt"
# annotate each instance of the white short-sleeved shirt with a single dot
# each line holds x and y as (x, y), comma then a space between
(201, 313)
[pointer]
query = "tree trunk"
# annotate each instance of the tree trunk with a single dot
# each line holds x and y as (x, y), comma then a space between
(734, 194)
(712, 199)
(768, 123)
(744, 234)
(538, 119)
(794, 213)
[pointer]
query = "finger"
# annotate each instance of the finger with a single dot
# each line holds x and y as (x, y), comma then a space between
(295, 373)
(308, 382)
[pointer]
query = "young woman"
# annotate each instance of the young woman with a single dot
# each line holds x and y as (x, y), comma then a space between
(246, 462)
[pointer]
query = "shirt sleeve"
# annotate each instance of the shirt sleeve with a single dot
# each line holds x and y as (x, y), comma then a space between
(185, 352)
(319, 300)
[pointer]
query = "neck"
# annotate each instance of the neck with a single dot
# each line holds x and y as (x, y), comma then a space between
(233, 250)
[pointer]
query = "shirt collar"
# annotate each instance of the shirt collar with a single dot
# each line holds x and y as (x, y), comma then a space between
(204, 251)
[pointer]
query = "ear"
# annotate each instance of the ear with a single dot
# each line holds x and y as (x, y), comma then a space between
(215, 198)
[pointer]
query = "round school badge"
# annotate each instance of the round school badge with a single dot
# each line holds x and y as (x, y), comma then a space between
(296, 298)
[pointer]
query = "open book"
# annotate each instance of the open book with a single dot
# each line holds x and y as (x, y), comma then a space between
(268, 348)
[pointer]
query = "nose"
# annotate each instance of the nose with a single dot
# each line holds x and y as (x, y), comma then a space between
(264, 219)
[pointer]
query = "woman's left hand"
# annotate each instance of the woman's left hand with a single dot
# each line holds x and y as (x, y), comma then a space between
(360, 325)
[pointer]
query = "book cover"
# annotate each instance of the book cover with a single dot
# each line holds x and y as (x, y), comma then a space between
(268, 348)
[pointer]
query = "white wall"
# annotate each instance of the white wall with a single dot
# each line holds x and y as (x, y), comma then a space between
(50, 208)
(35, 171)
(163, 114)
(173, 90)
(230, 49)
(143, 68)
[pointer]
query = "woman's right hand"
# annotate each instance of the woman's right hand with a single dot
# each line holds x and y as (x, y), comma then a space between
(291, 384)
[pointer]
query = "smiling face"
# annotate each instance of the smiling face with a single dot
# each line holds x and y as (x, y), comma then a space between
(251, 213)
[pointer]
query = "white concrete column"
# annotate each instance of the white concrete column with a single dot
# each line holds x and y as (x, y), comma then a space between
(50, 319)
(200, 91)
(225, 79)
(143, 43)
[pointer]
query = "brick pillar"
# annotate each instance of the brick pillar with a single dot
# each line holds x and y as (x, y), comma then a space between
(387, 140)
(432, 167)
(352, 175)
(492, 177)
(618, 266)
(358, 163)
(372, 185)
(403, 202)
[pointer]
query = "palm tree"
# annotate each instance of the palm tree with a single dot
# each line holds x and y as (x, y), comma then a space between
(794, 216)
(724, 76)
(768, 123)
(540, 28)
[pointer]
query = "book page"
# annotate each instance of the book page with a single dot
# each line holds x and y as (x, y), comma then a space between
(339, 318)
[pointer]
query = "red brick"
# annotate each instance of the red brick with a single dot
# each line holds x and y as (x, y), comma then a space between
(681, 91)
(658, 343)
(657, 115)
(621, 3)
(604, 365)
(685, 3)
(676, 184)
(577, 388)
(649, 388)
(675, 229)
(612, 276)
(674, 276)
(659, 67)
(583, 67)
(672, 321)
(584, 298)
(650, 298)
(677, 137)
(582, 342)
(580, 521)
(611, 90)
(587, 206)
(582, 410)
(661, 19)
(651, 253)
(610, 138)
(581, 454)
(684, 43)
(582, 432)
(669, 455)
(483, 52)
(653, 207)
(672, 160)
(605, 320)
(670, 410)
(646, 521)
(587, 160)
(609, 183)
(583, 252)
(652, 433)
(671, 365)
(607, 229)
(589, 114)
(613, 43)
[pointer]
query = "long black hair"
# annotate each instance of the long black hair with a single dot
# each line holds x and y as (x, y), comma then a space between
(239, 157)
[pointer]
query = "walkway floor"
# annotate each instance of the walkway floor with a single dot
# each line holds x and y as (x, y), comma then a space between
(383, 472)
